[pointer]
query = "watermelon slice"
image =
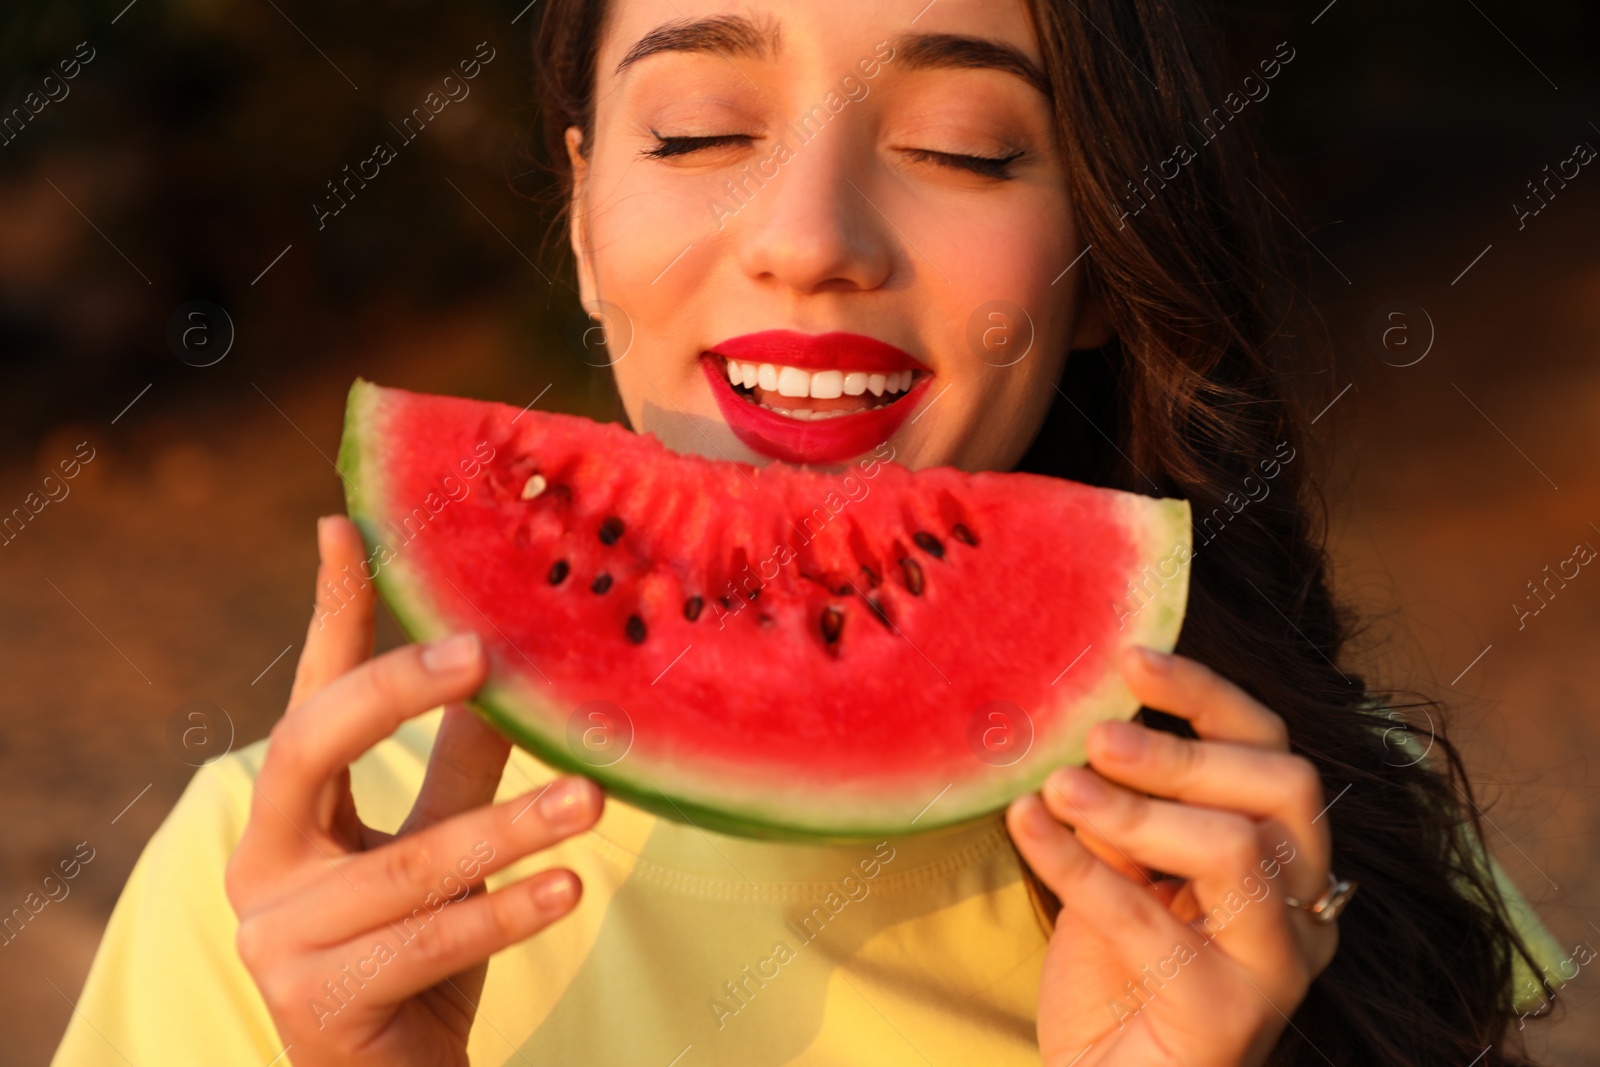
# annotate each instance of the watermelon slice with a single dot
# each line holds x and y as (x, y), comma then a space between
(769, 651)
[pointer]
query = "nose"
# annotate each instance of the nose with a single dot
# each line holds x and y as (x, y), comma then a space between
(811, 228)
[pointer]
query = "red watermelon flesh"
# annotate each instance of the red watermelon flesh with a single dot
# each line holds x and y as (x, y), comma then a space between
(769, 650)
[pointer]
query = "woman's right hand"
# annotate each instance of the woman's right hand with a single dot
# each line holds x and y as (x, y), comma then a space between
(371, 948)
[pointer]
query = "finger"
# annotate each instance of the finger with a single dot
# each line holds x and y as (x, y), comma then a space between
(355, 712)
(440, 944)
(1107, 853)
(1216, 708)
(464, 768)
(340, 634)
(443, 861)
(1164, 887)
(1134, 922)
(1283, 790)
(1219, 852)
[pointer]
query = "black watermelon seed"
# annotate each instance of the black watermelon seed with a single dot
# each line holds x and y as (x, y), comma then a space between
(611, 531)
(832, 624)
(873, 579)
(962, 534)
(635, 629)
(911, 570)
(559, 571)
(753, 593)
(767, 621)
(877, 609)
(692, 607)
(928, 543)
(726, 602)
(601, 583)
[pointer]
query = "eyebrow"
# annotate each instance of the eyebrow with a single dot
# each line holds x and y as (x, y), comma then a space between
(730, 35)
(950, 51)
(725, 35)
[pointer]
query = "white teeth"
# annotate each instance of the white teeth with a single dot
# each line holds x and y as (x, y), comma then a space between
(827, 384)
(819, 385)
(822, 385)
(792, 381)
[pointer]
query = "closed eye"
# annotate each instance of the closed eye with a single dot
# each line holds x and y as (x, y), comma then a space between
(996, 167)
(668, 147)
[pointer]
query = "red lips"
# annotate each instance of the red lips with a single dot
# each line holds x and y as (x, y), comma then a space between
(812, 441)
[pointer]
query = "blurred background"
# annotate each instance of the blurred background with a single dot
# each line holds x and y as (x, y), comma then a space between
(180, 163)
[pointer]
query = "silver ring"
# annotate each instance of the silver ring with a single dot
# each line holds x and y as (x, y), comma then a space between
(1326, 908)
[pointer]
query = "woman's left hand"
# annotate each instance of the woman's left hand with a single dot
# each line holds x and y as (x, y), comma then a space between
(1203, 966)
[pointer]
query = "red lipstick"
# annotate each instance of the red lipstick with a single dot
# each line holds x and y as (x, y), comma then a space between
(818, 440)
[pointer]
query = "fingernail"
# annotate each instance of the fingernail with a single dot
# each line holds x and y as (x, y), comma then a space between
(1154, 660)
(1038, 817)
(451, 654)
(567, 803)
(1035, 819)
(555, 892)
(1081, 786)
(1122, 740)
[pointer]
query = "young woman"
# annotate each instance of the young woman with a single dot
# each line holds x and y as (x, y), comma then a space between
(998, 234)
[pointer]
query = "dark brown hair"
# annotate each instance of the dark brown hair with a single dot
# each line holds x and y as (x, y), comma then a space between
(1188, 401)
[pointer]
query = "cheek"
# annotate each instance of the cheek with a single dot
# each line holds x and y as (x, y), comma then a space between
(1006, 316)
(654, 250)
(1005, 290)
(1008, 305)
(640, 226)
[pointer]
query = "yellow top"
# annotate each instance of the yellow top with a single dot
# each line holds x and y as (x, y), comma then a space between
(688, 948)
(719, 949)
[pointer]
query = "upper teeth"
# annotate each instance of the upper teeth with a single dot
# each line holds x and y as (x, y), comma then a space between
(822, 384)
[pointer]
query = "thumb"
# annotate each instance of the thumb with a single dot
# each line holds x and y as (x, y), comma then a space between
(340, 635)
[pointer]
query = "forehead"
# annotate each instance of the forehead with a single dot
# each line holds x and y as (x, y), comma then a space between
(800, 30)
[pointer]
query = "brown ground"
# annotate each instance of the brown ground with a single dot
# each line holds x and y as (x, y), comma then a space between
(186, 551)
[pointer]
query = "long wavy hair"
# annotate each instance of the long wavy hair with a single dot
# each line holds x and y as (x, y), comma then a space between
(1189, 400)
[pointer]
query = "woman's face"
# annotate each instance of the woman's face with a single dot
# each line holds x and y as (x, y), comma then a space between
(811, 226)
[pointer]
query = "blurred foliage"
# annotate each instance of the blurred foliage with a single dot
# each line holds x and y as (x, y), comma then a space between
(197, 140)
(203, 130)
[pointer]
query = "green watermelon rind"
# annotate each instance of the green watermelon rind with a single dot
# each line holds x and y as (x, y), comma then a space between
(515, 709)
